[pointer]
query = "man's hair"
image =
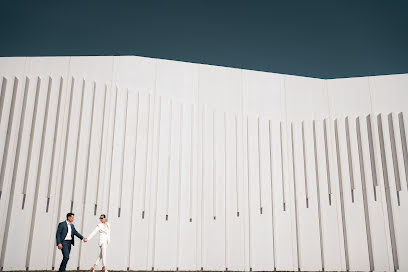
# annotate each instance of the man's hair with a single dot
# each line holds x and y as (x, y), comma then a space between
(69, 214)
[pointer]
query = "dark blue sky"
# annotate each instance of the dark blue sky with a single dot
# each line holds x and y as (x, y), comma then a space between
(325, 39)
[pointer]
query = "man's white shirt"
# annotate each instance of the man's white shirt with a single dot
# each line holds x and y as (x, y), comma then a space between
(68, 237)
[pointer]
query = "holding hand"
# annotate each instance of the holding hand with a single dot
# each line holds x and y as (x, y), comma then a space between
(59, 246)
(85, 239)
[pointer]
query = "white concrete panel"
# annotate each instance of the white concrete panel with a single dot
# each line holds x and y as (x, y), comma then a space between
(92, 68)
(389, 93)
(263, 94)
(135, 73)
(221, 88)
(12, 66)
(350, 96)
(306, 98)
(177, 80)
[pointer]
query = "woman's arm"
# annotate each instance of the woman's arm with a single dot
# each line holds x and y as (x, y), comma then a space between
(93, 233)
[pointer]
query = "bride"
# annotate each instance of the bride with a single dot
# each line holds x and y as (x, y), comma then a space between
(104, 238)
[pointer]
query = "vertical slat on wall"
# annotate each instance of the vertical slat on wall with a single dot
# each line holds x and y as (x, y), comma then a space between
(272, 198)
(87, 177)
(404, 142)
(39, 171)
(340, 179)
(109, 184)
(387, 191)
(50, 179)
(132, 207)
(14, 174)
(2, 94)
(64, 160)
(98, 180)
(294, 199)
(364, 191)
(394, 156)
(8, 134)
(372, 156)
(316, 161)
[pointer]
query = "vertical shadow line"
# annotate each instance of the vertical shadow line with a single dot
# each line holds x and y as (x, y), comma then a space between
(30, 144)
(343, 216)
(169, 160)
(133, 182)
(54, 139)
(123, 153)
(146, 155)
(305, 164)
(259, 168)
(8, 133)
(387, 192)
(394, 155)
(319, 210)
(191, 162)
(372, 157)
(350, 158)
(2, 95)
(326, 153)
(272, 198)
(78, 140)
(98, 183)
(157, 177)
(249, 194)
(179, 183)
(295, 197)
(282, 165)
(225, 191)
(404, 143)
(236, 164)
(112, 148)
(14, 174)
(65, 157)
(39, 174)
(364, 188)
(85, 186)
(214, 170)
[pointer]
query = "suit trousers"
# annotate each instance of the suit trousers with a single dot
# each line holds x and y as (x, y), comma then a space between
(66, 249)
(102, 254)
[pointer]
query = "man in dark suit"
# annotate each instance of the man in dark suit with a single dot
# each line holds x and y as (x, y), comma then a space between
(65, 238)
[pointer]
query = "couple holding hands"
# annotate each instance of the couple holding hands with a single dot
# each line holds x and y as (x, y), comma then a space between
(65, 238)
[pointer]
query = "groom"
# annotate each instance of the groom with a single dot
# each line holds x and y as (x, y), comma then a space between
(65, 237)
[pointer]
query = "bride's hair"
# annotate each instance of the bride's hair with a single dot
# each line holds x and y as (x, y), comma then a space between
(104, 216)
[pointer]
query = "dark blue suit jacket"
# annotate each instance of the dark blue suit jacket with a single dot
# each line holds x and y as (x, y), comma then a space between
(63, 230)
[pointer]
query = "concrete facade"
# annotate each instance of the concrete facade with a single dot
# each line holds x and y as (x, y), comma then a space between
(202, 167)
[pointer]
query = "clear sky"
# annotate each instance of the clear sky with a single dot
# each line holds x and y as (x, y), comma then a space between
(324, 39)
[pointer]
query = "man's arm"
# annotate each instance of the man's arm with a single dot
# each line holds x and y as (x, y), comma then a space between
(77, 234)
(58, 235)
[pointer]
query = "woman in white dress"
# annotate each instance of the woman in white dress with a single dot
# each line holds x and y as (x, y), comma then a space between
(104, 238)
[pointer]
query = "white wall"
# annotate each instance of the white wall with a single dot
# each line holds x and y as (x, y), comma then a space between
(210, 168)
